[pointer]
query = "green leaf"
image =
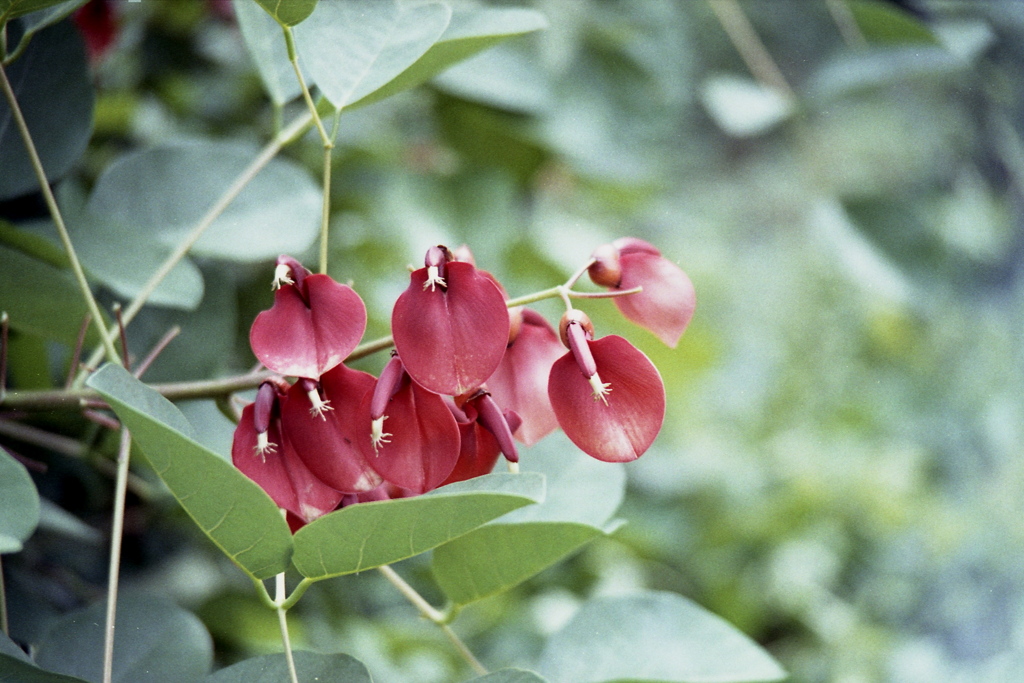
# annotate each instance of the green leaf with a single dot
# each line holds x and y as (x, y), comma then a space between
(653, 636)
(351, 48)
(310, 666)
(10, 649)
(880, 68)
(237, 515)
(266, 46)
(472, 29)
(41, 300)
(881, 22)
(157, 642)
(509, 676)
(123, 258)
(36, 21)
(52, 85)
(288, 12)
(583, 494)
(369, 535)
(13, 670)
(33, 245)
(166, 190)
(9, 9)
(19, 504)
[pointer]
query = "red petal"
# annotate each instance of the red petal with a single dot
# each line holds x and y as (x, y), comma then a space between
(478, 453)
(667, 302)
(521, 381)
(294, 339)
(625, 427)
(327, 444)
(281, 473)
(451, 340)
(423, 445)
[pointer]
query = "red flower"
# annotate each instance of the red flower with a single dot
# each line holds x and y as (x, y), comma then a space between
(607, 395)
(421, 445)
(323, 432)
(520, 382)
(313, 325)
(666, 304)
(450, 326)
(262, 455)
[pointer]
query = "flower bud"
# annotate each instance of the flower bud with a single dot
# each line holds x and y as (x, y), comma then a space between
(605, 271)
(577, 316)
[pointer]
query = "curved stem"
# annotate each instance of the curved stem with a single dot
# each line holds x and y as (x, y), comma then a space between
(116, 532)
(58, 219)
(268, 152)
(282, 620)
(293, 57)
(433, 614)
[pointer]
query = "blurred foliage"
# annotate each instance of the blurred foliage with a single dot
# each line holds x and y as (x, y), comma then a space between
(840, 471)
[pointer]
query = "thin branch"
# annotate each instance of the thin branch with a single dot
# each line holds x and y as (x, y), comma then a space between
(58, 219)
(116, 532)
(282, 620)
(4, 626)
(433, 614)
(753, 52)
(156, 351)
(76, 355)
(846, 23)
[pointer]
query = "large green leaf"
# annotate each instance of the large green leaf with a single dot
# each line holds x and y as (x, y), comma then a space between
(19, 504)
(52, 85)
(15, 670)
(351, 48)
(41, 300)
(582, 496)
(471, 29)
(288, 12)
(265, 44)
(653, 636)
(310, 666)
(232, 510)
(164, 191)
(509, 676)
(369, 535)
(156, 641)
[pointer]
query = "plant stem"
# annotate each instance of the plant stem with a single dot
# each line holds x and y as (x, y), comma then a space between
(58, 219)
(268, 152)
(753, 52)
(433, 614)
(282, 620)
(116, 532)
(4, 625)
(846, 23)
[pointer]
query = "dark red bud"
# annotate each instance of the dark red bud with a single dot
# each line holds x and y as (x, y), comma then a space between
(390, 381)
(266, 401)
(576, 331)
(492, 419)
(438, 256)
(574, 315)
(605, 271)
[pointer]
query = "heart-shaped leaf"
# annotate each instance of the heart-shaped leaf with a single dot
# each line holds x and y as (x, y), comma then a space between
(653, 636)
(156, 641)
(368, 535)
(233, 511)
(19, 504)
(310, 666)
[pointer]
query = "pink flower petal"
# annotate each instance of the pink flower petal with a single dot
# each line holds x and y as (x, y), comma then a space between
(520, 382)
(667, 301)
(451, 339)
(300, 340)
(625, 427)
(281, 473)
(327, 443)
(422, 439)
(478, 453)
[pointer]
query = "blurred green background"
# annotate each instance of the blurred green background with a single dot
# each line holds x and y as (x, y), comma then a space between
(840, 470)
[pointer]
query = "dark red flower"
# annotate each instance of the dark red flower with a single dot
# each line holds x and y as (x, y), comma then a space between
(450, 326)
(520, 383)
(407, 433)
(95, 21)
(666, 304)
(262, 455)
(479, 446)
(313, 325)
(607, 395)
(323, 432)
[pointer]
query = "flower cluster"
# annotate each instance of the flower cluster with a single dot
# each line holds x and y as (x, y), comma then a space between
(468, 377)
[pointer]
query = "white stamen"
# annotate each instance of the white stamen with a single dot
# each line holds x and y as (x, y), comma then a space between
(434, 278)
(377, 433)
(264, 446)
(282, 276)
(319, 406)
(601, 389)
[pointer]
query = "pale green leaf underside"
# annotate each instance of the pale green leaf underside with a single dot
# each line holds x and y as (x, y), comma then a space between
(19, 504)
